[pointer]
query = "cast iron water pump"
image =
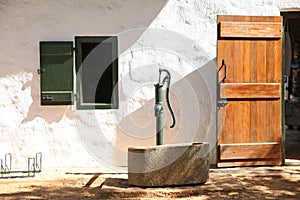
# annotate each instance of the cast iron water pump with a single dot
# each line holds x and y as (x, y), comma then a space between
(159, 108)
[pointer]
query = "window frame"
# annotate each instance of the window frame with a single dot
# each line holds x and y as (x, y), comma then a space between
(114, 104)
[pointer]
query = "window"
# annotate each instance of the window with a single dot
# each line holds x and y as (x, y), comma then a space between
(96, 70)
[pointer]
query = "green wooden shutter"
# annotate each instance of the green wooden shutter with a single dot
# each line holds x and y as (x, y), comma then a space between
(56, 70)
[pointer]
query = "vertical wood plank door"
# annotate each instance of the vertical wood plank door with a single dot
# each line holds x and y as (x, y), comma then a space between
(249, 79)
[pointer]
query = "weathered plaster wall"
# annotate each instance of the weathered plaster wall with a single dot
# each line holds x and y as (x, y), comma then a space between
(25, 126)
(181, 37)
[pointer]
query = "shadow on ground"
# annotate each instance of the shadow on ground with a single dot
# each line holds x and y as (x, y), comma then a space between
(234, 183)
(44, 192)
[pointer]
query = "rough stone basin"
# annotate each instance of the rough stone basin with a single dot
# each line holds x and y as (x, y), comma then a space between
(168, 165)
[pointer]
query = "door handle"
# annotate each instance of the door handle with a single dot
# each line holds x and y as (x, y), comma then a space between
(223, 66)
(221, 102)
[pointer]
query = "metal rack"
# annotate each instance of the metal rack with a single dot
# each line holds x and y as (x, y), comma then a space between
(34, 166)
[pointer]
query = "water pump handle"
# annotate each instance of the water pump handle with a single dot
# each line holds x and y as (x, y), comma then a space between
(167, 79)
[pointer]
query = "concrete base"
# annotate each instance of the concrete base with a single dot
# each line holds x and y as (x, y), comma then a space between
(168, 165)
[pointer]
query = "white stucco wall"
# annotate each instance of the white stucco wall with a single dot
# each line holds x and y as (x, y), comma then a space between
(180, 35)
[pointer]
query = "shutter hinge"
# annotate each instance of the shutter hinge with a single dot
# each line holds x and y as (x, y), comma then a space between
(76, 96)
(39, 71)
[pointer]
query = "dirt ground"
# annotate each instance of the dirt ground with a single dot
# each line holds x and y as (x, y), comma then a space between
(100, 183)
(97, 183)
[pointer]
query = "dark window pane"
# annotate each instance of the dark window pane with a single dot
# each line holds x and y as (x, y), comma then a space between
(97, 72)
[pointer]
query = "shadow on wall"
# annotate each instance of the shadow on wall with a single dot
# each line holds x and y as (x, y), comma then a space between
(48, 113)
(133, 17)
(193, 101)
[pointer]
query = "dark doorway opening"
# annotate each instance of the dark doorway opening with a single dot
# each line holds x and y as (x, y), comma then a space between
(291, 57)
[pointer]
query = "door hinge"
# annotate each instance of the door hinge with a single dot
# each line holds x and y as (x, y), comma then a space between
(222, 103)
(76, 96)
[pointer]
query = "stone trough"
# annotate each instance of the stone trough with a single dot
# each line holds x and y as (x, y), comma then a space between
(168, 165)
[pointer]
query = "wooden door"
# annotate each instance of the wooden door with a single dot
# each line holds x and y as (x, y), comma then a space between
(249, 79)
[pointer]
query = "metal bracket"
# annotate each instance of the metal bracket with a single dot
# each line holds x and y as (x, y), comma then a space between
(222, 103)
(76, 96)
(7, 167)
(38, 162)
(39, 71)
(158, 109)
(47, 98)
(1, 166)
(31, 167)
